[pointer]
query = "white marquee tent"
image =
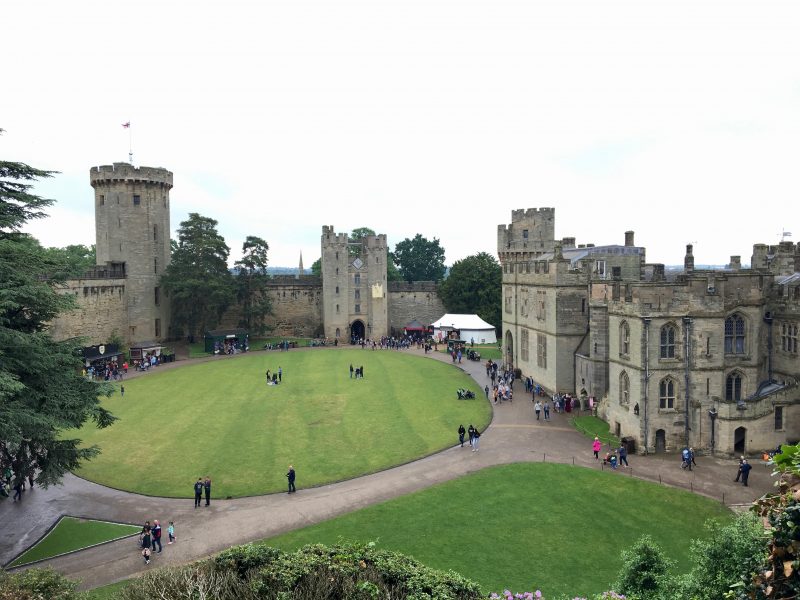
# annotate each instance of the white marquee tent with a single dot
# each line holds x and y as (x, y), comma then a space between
(467, 327)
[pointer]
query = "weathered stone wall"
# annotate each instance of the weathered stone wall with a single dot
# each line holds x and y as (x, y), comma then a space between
(101, 311)
(413, 301)
(296, 307)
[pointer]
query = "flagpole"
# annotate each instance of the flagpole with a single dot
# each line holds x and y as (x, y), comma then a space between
(130, 144)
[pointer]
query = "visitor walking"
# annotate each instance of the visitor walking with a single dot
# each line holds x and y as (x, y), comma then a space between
(207, 488)
(171, 532)
(538, 408)
(476, 438)
(739, 472)
(156, 533)
(122, 390)
(290, 475)
(623, 455)
(686, 459)
(461, 432)
(198, 491)
(280, 370)
(546, 408)
(471, 431)
(18, 491)
(351, 370)
(746, 466)
(691, 456)
(596, 446)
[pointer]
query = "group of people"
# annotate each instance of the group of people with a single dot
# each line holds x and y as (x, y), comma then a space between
(11, 483)
(106, 371)
(613, 458)
(357, 373)
(150, 538)
(474, 436)
(276, 377)
(200, 486)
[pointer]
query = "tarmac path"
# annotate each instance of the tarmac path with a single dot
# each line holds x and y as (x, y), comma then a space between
(514, 435)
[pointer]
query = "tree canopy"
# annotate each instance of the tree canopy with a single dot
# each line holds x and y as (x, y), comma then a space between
(475, 286)
(42, 391)
(198, 282)
(419, 259)
(251, 285)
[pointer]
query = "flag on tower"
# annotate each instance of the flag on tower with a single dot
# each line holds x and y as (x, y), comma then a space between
(126, 125)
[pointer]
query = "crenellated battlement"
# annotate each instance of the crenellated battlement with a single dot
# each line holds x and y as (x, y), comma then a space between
(125, 172)
(531, 230)
(522, 214)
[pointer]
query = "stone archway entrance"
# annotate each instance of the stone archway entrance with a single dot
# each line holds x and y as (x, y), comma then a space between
(508, 343)
(661, 441)
(357, 331)
(739, 436)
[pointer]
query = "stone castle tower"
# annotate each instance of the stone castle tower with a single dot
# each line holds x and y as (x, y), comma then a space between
(132, 227)
(354, 286)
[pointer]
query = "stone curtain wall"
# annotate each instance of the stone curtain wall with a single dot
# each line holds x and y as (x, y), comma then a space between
(409, 301)
(296, 307)
(101, 311)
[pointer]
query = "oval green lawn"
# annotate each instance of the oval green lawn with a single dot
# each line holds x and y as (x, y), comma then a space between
(220, 419)
(523, 527)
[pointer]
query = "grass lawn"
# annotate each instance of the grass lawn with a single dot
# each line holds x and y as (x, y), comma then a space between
(218, 418)
(73, 534)
(594, 426)
(529, 526)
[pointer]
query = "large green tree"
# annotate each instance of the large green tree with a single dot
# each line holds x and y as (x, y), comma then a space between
(474, 286)
(419, 259)
(251, 285)
(77, 257)
(198, 281)
(42, 391)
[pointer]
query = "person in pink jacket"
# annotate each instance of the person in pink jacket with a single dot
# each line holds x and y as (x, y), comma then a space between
(596, 446)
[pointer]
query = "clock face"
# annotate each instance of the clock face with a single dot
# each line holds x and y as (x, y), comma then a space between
(358, 263)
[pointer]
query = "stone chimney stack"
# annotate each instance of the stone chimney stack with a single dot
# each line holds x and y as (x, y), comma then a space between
(658, 272)
(688, 260)
(629, 238)
(568, 242)
(736, 263)
(759, 258)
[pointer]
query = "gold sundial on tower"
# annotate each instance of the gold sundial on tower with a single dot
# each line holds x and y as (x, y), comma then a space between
(358, 263)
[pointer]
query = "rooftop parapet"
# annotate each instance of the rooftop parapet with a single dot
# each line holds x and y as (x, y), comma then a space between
(128, 173)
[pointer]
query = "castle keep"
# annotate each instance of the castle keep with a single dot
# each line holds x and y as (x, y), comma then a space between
(121, 295)
(704, 358)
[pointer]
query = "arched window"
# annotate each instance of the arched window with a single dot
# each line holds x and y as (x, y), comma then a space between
(734, 335)
(733, 387)
(624, 389)
(624, 339)
(668, 341)
(666, 393)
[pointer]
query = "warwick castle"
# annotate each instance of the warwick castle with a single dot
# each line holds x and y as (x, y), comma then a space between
(701, 358)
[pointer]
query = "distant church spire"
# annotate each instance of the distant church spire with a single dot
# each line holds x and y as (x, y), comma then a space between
(300, 270)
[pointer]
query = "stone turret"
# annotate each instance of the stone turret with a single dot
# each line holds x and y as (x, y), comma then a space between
(132, 226)
(532, 231)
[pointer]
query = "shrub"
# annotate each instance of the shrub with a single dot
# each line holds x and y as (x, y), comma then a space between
(644, 569)
(36, 584)
(353, 571)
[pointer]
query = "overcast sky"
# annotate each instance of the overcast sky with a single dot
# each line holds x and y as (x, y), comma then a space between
(677, 119)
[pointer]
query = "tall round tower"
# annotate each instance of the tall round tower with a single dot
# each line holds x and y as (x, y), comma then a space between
(132, 227)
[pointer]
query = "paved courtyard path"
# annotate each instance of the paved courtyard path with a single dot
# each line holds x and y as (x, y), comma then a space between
(514, 435)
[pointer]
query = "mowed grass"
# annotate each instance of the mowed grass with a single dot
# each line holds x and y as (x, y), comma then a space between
(219, 418)
(592, 427)
(72, 534)
(524, 527)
